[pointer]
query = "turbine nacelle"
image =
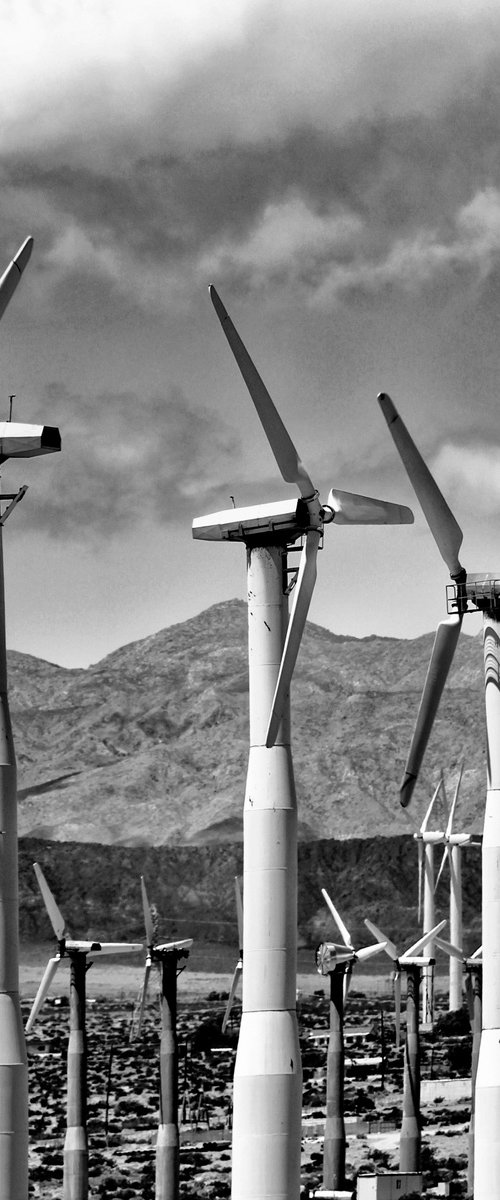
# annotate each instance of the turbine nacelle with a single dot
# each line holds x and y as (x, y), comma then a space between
(27, 441)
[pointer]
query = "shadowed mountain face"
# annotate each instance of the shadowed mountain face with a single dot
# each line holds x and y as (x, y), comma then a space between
(149, 747)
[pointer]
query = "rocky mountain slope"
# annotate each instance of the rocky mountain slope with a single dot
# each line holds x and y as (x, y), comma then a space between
(149, 746)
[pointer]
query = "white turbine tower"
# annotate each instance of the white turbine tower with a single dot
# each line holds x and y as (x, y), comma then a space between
(337, 961)
(412, 963)
(75, 1182)
(426, 839)
(165, 957)
(238, 970)
(474, 991)
(469, 592)
(268, 1075)
(16, 441)
(454, 843)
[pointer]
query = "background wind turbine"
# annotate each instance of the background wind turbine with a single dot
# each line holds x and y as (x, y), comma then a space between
(164, 957)
(337, 961)
(454, 843)
(268, 1074)
(468, 593)
(426, 839)
(239, 965)
(16, 441)
(474, 991)
(412, 963)
(75, 1182)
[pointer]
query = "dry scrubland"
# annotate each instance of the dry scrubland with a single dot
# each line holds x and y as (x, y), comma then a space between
(123, 1086)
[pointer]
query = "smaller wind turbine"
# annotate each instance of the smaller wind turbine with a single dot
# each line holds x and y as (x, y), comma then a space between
(238, 970)
(426, 839)
(337, 961)
(454, 843)
(412, 963)
(165, 957)
(75, 1183)
(473, 967)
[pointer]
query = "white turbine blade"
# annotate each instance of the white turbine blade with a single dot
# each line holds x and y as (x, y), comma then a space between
(454, 802)
(397, 1006)
(469, 995)
(239, 911)
(478, 954)
(148, 919)
(427, 937)
(344, 932)
(444, 528)
(56, 918)
(351, 509)
(232, 992)
(443, 860)
(449, 949)
(420, 845)
(12, 275)
(347, 981)
(289, 463)
(368, 951)
(298, 616)
(47, 978)
(444, 647)
(180, 944)
(425, 822)
(144, 995)
(117, 948)
(390, 948)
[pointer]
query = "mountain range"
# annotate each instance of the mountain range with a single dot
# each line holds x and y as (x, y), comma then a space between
(149, 747)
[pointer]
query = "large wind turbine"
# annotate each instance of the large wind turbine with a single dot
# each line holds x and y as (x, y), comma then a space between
(337, 961)
(165, 956)
(412, 963)
(470, 592)
(426, 839)
(268, 1074)
(454, 843)
(473, 988)
(16, 441)
(75, 1180)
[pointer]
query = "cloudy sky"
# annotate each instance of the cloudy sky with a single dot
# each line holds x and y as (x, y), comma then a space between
(334, 170)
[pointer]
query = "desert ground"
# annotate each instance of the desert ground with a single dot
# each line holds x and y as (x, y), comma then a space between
(123, 1081)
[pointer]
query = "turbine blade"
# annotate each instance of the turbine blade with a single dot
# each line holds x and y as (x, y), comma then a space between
(477, 953)
(232, 992)
(425, 822)
(143, 997)
(469, 995)
(298, 616)
(148, 918)
(428, 936)
(368, 951)
(397, 1006)
(42, 992)
(289, 463)
(344, 932)
(449, 826)
(444, 528)
(118, 948)
(12, 274)
(449, 949)
(420, 845)
(180, 944)
(444, 647)
(390, 948)
(56, 918)
(347, 981)
(443, 860)
(351, 509)
(239, 912)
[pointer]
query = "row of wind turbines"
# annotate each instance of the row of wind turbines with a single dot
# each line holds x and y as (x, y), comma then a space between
(268, 1078)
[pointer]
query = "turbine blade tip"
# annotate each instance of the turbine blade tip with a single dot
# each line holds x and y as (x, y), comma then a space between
(406, 789)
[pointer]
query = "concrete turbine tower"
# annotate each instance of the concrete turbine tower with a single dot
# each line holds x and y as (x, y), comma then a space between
(165, 956)
(468, 593)
(75, 1180)
(453, 852)
(426, 839)
(412, 963)
(337, 961)
(268, 1073)
(16, 441)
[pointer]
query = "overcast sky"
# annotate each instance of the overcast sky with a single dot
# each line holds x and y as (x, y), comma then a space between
(334, 170)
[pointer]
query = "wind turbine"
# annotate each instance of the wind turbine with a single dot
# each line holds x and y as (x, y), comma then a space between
(268, 1073)
(454, 843)
(426, 839)
(238, 970)
(412, 963)
(165, 957)
(468, 593)
(474, 992)
(337, 961)
(16, 441)
(75, 1180)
